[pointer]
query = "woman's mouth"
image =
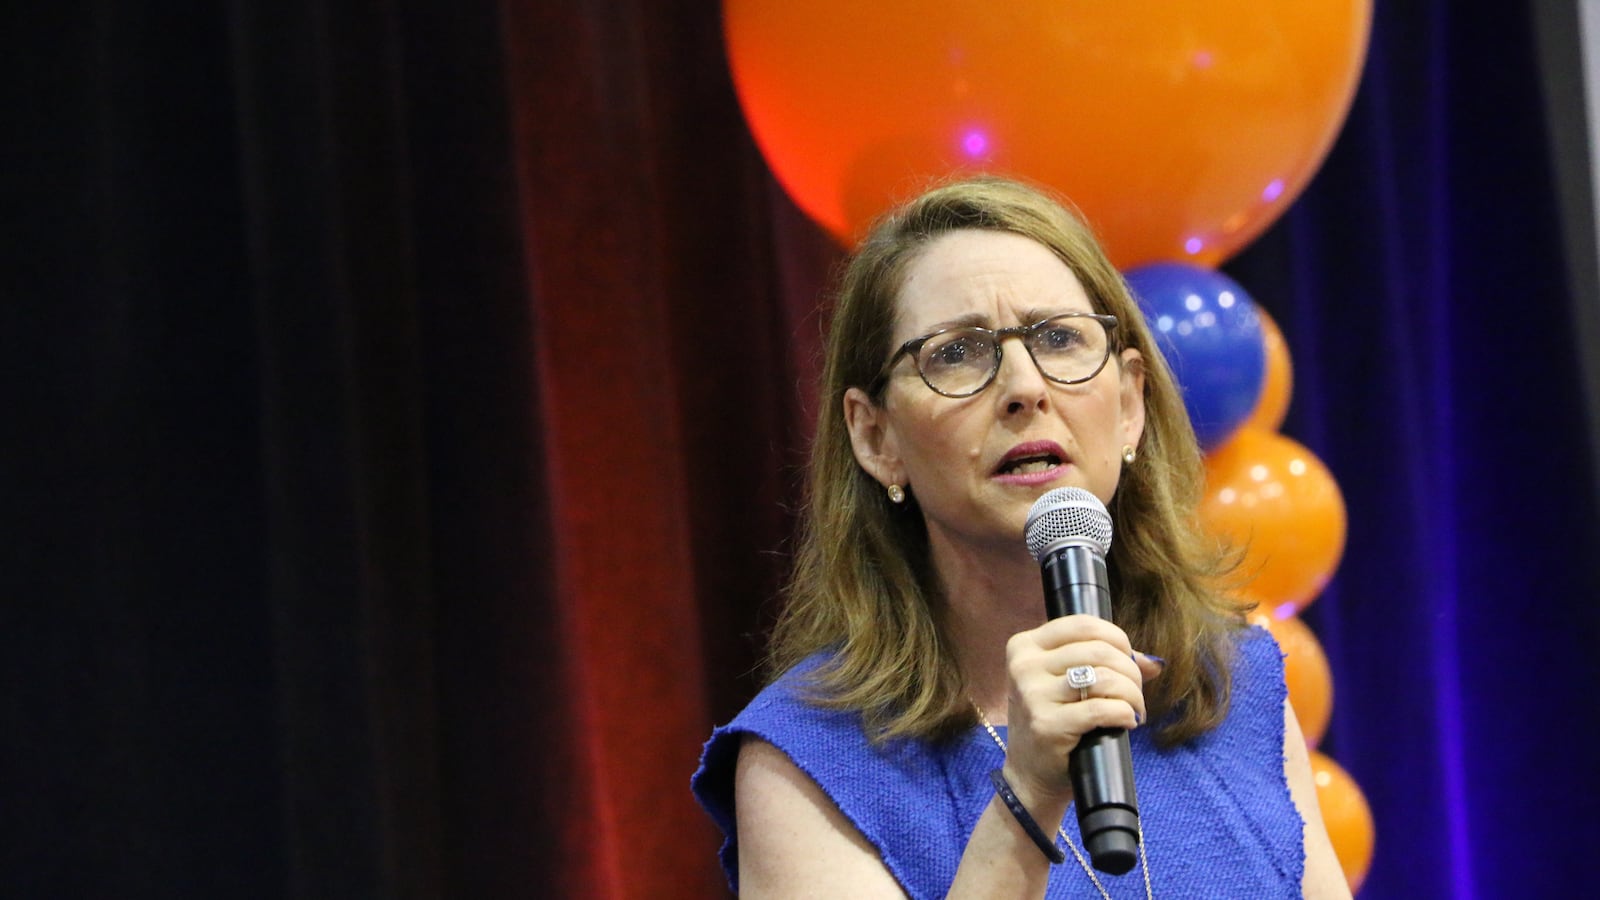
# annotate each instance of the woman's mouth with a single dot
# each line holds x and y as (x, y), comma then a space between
(1031, 463)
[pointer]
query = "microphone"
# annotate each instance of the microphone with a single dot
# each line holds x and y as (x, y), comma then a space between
(1069, 534)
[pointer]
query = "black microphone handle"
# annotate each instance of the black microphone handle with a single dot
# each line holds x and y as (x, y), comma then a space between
(1101, 766)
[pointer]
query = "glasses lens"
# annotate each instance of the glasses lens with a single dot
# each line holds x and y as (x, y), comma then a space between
(1069, 348)
(957, 362)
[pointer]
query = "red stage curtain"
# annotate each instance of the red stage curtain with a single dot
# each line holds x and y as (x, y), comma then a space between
(674, 295)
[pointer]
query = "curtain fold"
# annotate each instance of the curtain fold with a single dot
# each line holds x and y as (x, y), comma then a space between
(324, 179)
(1422, 288)
(667, 365)
(137, 657)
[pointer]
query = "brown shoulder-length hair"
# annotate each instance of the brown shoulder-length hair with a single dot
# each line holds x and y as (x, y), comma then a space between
(863, 586)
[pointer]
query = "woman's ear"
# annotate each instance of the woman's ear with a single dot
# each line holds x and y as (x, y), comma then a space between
(1132, 396)
(872, 438)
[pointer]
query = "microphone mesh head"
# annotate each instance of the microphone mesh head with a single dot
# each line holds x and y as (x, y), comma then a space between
(1066, 516)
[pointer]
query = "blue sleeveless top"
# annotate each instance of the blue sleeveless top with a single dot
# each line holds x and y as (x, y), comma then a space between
(1217, 817)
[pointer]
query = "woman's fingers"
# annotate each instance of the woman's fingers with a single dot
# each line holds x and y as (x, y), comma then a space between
(1109, 683)
(1094, 653)
(1048, 671)
(1073, 629)
(1077, 673)
(1074, 720)
(1149, 666)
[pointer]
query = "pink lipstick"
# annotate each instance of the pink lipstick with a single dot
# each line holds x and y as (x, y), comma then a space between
(1031, 463)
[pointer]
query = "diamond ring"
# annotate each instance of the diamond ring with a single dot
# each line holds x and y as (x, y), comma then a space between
(1082, 678)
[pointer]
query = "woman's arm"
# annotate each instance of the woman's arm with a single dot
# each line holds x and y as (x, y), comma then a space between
(1323, 877)
(794, 842)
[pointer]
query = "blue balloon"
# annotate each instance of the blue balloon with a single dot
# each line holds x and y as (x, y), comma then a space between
(1209, 330)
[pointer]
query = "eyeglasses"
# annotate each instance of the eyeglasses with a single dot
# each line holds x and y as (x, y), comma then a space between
(960, 362)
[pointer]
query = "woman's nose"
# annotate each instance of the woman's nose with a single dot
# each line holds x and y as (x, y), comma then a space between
(1019, 380)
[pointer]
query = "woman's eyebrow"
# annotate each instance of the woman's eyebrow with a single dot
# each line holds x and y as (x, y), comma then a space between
(1039, 314)
(982, 320)
(970, 320)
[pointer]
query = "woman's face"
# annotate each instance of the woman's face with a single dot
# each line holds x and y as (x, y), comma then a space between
(976, 464)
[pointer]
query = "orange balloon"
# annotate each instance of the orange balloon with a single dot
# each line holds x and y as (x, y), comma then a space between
(1181, 128)
(1305, 669)
(1349, 819)
(1278, 382)
(1274, 498)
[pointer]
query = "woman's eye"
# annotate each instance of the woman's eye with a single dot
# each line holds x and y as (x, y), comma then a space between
(1059, 337)
(958, 351)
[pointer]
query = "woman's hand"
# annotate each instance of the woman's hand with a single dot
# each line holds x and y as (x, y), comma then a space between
(1047, 717)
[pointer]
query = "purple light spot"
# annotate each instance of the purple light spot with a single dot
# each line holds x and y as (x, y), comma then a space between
(1192, 245)
(975, 143)
(1273, 191)
(1202, 59)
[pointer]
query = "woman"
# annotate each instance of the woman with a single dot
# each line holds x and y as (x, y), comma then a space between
(914, 651)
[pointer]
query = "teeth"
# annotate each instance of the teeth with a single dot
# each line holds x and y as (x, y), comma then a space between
(1033, 465)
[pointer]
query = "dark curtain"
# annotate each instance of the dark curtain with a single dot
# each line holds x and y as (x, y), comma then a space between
(1422, 287)
(404, 433)
(406, 403)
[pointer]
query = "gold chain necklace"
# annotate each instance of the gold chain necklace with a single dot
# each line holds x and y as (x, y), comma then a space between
(1144, 861)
